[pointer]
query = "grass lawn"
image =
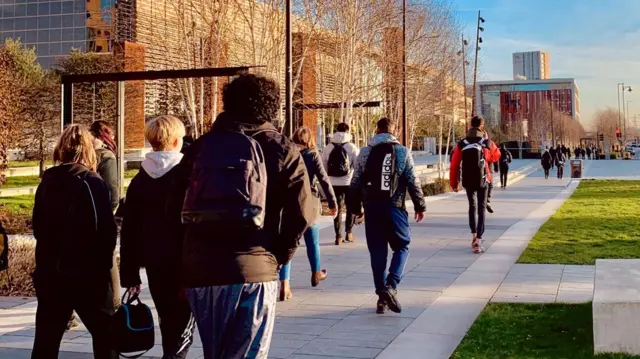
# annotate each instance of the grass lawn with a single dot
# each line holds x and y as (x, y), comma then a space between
(15, 164)
(600, 220)
(32, 181)
(532, 331)
(17, 204)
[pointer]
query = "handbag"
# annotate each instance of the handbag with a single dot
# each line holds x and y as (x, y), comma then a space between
(132, 327)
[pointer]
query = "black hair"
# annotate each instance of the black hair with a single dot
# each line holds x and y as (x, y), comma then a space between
(477, 121)
(343, 127)
(254, 98)
(385, 125)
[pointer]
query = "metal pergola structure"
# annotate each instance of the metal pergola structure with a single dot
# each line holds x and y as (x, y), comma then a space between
(120, 78)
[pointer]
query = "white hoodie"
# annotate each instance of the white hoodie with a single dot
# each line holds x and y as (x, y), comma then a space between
(158, 163)
(352, 152)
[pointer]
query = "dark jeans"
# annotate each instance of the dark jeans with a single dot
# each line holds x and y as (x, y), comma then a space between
(387, 226)
(560, 171)
(58, 296)
(489, 191)
(235, 321)
(176, 321)
(312, 242)
(546, 172)
(504, 173)
(477, 206)
(342, 194)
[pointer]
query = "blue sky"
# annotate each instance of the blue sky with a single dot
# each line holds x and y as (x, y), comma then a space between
(597, 42)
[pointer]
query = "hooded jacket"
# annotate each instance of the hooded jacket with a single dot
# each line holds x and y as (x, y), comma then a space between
(65, 190)
(404, 177)
(491, 154)
(219, 258)
(352, 154)
(152, 231)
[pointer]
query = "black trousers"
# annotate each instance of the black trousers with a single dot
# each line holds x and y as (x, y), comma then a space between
(504, 172)
(176, 321)
(342, 194)
(560, 171)
(546, 172)
(477, 206)
(58, 296)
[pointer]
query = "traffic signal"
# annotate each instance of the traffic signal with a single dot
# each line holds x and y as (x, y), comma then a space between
(618, 134)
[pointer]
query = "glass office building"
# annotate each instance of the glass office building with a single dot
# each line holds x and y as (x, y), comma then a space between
(55, 27)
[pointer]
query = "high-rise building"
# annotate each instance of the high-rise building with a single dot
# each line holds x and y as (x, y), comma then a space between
(532, 65)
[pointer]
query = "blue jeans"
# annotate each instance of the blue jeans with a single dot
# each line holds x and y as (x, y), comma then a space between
(235, 321)
(312, 242)
(387, 226)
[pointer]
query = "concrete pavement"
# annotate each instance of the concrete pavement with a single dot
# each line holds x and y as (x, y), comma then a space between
(444, 289)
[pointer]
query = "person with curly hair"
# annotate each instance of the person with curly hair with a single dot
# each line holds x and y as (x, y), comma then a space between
(231, 273)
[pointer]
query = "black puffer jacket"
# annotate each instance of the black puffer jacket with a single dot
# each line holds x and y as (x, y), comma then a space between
(220, 258)
(81, 244)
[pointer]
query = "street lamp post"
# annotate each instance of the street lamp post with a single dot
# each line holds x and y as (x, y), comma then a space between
(463, 53)
(626, 119)
(475, 67)
(624, 114)
(621, 112)
(288, 74)
(405, 130)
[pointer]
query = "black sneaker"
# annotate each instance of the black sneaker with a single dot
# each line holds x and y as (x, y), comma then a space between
(390, 297)
(381, 306)
(489, 209)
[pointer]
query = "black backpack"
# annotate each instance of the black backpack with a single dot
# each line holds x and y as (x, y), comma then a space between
(228, 186)
(474, 171)
(338, 161)
(378, 180)
(132, 327)
(4, 249)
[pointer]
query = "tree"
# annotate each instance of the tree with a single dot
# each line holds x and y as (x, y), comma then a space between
(606, 122)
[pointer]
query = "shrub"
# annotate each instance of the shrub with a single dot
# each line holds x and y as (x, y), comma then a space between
(613, 156)
(17, 280)
(439, 186)
(15, 214)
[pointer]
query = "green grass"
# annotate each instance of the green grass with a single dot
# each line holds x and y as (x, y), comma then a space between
(532, 331)
(600, 220)
(15, 164)
(17, 204)
(21, 181)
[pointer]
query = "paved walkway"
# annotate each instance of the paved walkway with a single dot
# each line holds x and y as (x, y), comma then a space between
(444, 289)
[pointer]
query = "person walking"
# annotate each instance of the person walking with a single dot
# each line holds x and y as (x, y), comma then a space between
(472, 155)
(552, 152)
(152, 234)
(317, 175)
(75, 239)
(240, 230)
(560, 159)
(105, 147)
(546, 160)
(384, 174)
(505, 160)
(339, 158)
(589, 152)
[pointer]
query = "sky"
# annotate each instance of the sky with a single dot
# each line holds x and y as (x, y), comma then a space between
(597, 42)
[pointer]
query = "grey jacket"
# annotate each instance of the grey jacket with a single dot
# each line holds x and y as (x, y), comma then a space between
(108, 170)
(405, 176)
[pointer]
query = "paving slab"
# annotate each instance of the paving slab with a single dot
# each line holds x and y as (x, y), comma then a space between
(444, 289)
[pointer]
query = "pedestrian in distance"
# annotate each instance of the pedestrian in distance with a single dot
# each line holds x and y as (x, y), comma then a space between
(552, 152)
(472, 155)
(546, 160)
(75, 239)
(152, 234)
(339, 158)
(241, 229)
(588, 152)
(505, 160)
(318, 177)
(107, 167)
(560, 159)
(384, 174)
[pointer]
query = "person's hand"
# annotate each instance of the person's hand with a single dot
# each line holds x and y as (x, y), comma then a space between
(455, 189)
(134, 290)
(334, 212)
(419, 216)
(358, 218)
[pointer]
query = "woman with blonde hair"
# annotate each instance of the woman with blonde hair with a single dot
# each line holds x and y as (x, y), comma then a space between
(75, 238)
(317, 175)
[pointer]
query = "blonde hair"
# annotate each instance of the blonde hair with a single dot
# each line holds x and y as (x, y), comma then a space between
(303, 137)
(162, 130)
(76, 146)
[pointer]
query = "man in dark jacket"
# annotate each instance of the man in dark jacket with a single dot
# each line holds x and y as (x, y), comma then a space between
(387, 220)
(505, 160)
(152, 234)
(232, 278)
